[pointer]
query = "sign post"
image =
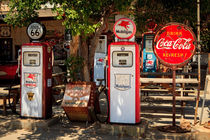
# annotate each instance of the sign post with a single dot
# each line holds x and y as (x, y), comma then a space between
(174, 46)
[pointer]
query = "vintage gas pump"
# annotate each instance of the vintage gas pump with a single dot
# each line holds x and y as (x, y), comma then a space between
(148, 60)
(36, 75)
(123, 75)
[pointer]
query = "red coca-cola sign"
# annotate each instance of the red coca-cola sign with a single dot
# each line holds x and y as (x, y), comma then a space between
(174, 44)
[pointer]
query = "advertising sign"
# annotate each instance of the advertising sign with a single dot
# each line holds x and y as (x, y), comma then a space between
(122, 81)
(36, 31)
(124, 28)
(78, 100)
(31, 79)
(174, 44)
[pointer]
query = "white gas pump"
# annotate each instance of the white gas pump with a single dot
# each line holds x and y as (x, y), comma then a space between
(124, 75)
(123, 82)
(99, 59)
(36, 77)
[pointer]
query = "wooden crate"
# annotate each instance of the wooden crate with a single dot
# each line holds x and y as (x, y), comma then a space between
(78, 101)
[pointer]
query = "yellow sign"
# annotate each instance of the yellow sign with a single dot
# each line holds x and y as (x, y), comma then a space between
(30, 96)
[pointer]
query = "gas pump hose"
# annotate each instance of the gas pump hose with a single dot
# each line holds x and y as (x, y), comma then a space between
(99, 93)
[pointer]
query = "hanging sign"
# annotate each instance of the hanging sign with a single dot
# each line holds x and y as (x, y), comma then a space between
(36, 31)
(174, 44)
(124, 28)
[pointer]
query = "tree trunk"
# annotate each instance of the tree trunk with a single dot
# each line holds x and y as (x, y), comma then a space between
(84, 54)
(74, 46)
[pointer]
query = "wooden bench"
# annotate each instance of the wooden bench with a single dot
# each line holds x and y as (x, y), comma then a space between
(4, 94)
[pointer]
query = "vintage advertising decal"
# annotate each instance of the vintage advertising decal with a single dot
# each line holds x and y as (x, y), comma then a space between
(100, 61)
(30, 96)
(30, 80)
(122, 81)
(124, 28)
(174, 44)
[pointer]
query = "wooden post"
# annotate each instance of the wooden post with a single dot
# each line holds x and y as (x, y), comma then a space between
(199, 67)
(174, 97)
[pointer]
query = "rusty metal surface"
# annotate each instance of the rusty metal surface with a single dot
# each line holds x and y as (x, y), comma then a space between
(78, 99)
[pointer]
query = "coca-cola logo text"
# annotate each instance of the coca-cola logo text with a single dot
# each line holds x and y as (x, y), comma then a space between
(180, 43)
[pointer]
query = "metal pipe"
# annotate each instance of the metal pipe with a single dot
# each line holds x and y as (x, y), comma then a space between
(199, 68)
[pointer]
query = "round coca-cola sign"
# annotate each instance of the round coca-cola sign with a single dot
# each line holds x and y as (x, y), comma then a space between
(174, 44)
(124, 28)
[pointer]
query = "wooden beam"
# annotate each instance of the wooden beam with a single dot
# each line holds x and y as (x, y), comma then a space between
(168, 80)
(168, 98)
(166, 90)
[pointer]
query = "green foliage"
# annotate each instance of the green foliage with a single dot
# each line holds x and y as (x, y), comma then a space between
(205, 38)
(74, 66)
(81, 16)
(164, 11)
(23, 12)
(84, 16)
(182, 11)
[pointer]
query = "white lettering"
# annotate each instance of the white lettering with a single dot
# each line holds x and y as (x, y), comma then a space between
(180, 43)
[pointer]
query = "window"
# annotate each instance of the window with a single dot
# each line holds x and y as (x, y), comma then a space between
(149, 43)
(122, 59)
(31, 58)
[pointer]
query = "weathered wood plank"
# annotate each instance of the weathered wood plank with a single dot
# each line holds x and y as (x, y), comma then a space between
(165, 90)
(170, 98)
(168, 80)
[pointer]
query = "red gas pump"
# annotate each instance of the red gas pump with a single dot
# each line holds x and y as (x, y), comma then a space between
(36, 76)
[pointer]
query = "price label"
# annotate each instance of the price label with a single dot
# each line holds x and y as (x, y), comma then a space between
(35, 31)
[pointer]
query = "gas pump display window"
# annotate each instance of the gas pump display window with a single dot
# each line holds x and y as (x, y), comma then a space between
(31, 58)
(148, 45)
(122, 59)
(101, 47)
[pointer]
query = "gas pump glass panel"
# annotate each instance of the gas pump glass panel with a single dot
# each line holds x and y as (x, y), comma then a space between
(31, 58)
(149, 43)
(122, 59)
(122, 81)
(101, 47)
